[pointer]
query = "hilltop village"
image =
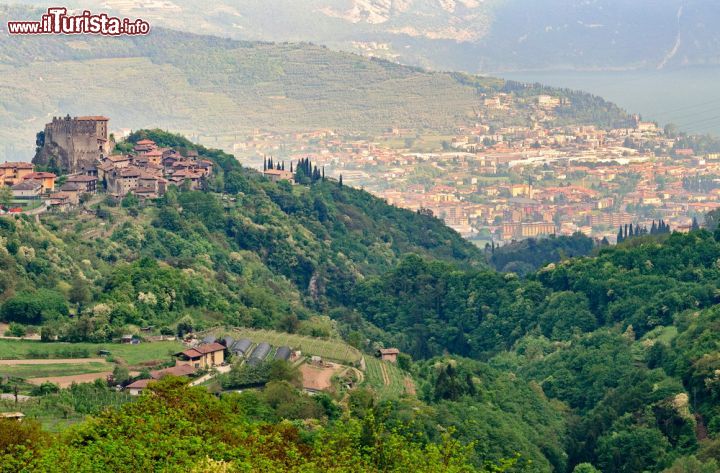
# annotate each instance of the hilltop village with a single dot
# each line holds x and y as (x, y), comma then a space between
(87, 163)
(490, 184)
(510, 183)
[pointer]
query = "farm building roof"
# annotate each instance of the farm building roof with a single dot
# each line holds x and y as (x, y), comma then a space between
(282, 353)
(242, 346)
(261, 351)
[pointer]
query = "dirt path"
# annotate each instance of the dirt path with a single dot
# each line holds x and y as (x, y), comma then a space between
(386, 377)
(66, 381)
(52, 361)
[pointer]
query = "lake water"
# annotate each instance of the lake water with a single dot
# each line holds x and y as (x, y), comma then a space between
(689, 97)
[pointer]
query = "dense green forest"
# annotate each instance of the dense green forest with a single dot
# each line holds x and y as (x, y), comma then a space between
(603, 363)
(525, 256)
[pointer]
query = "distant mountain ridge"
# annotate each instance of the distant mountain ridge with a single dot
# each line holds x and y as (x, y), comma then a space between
(471, 35)
(209, 87)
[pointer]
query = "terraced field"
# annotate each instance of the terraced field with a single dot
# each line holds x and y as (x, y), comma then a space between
(335, 350)
(385, 378)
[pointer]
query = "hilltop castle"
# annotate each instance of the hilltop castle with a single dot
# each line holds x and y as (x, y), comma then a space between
(73, 144)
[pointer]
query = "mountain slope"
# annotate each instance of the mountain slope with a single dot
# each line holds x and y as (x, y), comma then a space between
(220, 90)
(269, 252)
(472, 35)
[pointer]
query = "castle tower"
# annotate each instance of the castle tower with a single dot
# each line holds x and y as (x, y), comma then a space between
(74, 144)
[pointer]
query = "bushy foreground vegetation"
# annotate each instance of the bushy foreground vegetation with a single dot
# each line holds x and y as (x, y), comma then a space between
(175, 428)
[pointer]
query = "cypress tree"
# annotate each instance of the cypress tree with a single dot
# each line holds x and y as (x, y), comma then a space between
(340, 182)
(620, 237)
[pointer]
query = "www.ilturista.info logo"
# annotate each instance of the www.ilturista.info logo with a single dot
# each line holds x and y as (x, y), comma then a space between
(57, 21)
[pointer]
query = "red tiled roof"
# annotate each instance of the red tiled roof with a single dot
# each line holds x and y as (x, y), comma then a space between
(40, 175)
(146, 142)
(95, 118)
(209, 348)
(81, 179)
(19, 165)
(139, 384)
(179, 370)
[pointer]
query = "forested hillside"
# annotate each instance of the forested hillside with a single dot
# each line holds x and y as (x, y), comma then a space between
(607, 361)
(253, 253)
(625, 340)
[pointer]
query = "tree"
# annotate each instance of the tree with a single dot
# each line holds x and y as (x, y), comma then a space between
(281, 370)
(121, 374)
(34, 308)
(79, 292)
(184, 326)
(6, 197)
(695, 225)
(633, 449)
(289, 323)
(585, 468)
(130, 201)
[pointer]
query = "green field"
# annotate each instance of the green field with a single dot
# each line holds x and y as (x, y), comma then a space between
(374, 378)
(335, 350)
(52, 370)
(131, 354)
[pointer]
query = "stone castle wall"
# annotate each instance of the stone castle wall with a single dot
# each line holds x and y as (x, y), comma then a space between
(75, 144)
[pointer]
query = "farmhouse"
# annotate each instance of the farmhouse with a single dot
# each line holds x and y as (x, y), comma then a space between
(389, 354)
(136, 388)
(202, 356)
